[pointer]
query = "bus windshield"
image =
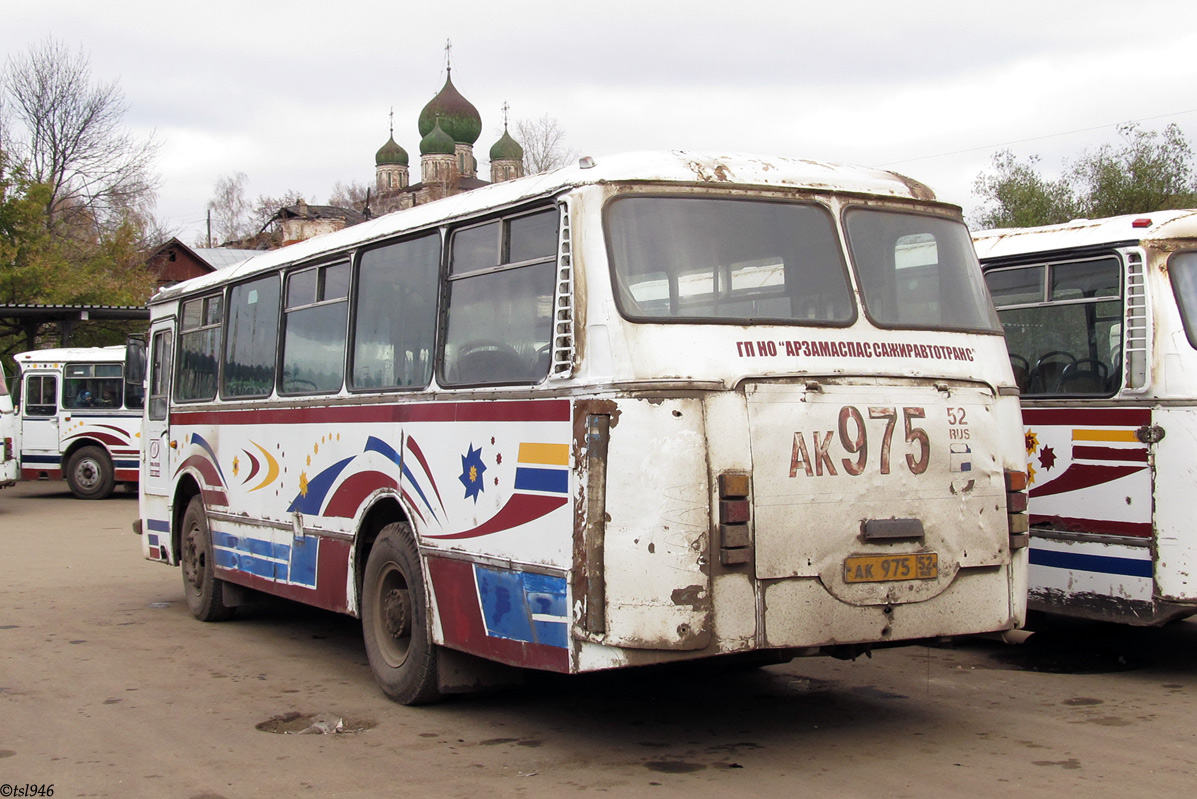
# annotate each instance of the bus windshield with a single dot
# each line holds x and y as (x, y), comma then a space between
(918, 271)
(727, 261)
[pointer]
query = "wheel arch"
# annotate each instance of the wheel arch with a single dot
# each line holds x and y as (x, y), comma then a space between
(385, 509)
(185, 490)
(80, 443)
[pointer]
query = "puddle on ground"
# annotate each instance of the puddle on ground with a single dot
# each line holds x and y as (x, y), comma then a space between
(314, 724)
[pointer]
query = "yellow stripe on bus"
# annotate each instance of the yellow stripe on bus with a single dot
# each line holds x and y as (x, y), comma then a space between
(1105, 435)
(551, 454)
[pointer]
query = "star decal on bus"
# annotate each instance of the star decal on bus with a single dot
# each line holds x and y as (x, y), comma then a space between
(472, 468)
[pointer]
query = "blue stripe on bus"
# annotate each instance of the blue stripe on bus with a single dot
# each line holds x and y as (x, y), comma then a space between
(529, 479)
(157, 525)
(1103, 564)
(303, 560)
(52, 460)
(523, 607)
(295, 563)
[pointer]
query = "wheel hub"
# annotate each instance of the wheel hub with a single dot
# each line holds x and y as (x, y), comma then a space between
(396, 613)
(86, 473)
(193, 566)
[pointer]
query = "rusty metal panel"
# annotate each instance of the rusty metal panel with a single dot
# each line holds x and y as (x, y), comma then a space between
(656, 542)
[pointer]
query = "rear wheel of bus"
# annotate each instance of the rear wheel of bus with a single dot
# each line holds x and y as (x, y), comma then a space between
(395, 619)
(89, 473)
(204, 591)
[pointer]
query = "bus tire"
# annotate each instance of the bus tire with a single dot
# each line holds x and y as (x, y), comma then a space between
(89, 473)
(395, 619)
(204, 591)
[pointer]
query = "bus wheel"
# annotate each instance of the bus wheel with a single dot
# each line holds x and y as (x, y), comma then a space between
(89, 473)
(205, 593)
(395, 619)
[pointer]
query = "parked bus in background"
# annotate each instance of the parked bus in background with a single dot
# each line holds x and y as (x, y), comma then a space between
(628, 412)
(8, 435)
(1101, 320)
(78, 419)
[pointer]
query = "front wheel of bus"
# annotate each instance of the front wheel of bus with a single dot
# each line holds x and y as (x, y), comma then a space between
(89, 473)
(395, 619)
(205, 593)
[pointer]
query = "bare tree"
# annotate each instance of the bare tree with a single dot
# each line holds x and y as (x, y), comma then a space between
(266, 208)
(230, 211)
(544, 145)
(349, 195)
(69, 133)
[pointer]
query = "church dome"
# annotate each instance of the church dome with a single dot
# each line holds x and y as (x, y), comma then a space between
(437, 141)
(391, 154)
(457, 116)
(506, 149)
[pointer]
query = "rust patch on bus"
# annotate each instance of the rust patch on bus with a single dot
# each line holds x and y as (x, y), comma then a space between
(692, 595)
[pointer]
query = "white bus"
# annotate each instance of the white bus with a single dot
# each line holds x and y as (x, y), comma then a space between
(1101, 320)
(79, 419)
(8, 436)
(628, 412)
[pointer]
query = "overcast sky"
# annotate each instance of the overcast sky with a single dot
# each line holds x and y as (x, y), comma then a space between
(297, 94)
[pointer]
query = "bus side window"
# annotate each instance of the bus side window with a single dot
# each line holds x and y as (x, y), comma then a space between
(199, 348)
(252, 339)
(316, 313)
(395, 319)
(1063, 325)
(500, 311)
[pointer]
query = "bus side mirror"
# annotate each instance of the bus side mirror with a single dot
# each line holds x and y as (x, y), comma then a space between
(135, 361)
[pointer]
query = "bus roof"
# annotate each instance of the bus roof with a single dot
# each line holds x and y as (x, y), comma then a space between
(113, 354)
(1086, 233)
(675, 166)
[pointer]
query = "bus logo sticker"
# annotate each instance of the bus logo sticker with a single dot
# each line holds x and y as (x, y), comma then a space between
(472, 469)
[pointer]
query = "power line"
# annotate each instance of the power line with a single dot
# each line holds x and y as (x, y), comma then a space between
(1034, 138)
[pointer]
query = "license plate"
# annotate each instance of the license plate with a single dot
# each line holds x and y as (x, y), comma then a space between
(891, 568)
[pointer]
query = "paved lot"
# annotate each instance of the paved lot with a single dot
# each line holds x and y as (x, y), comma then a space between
(109, 688)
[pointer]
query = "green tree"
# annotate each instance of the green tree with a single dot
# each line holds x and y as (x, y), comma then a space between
(75, 194)
(1018, 196)
(1149, 171)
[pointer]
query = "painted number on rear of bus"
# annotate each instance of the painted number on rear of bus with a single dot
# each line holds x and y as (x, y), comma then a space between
(864, 440)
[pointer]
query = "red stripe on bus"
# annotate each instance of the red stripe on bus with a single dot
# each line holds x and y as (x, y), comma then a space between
(1097, 526)
(1110, 454)
(351, 493)
(496, 411)
(1083, 475)
(1084, 417)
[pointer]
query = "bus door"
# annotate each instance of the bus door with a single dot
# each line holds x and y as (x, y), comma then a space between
(157, 461)
(40, 453)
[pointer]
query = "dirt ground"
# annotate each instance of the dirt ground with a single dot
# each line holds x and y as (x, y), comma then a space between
(109, 688)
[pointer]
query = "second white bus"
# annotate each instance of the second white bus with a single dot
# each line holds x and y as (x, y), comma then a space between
(1101, 320)
(79, 419)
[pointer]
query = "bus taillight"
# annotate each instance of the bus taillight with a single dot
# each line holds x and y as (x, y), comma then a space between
(1016, 509)
(8, 449)
(734, 516)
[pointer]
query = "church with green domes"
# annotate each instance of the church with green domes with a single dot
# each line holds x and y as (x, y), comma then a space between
(449, 126)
